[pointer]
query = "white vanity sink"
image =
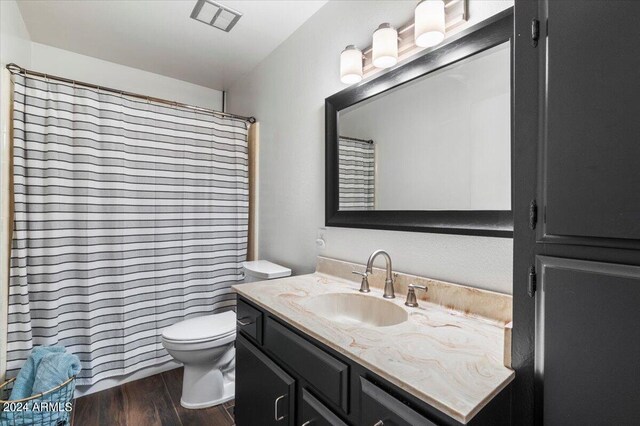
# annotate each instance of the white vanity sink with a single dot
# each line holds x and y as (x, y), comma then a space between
(357, 309)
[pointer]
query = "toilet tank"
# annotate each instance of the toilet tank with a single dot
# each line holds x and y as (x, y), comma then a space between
(261, 270)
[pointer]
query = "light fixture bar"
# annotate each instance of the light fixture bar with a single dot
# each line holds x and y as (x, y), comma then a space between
(456, 14)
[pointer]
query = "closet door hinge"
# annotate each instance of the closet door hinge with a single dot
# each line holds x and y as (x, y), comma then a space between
(533, 214)
(535, 32)
(531, 284)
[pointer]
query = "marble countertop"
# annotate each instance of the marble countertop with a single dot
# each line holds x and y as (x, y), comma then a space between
(449, 359)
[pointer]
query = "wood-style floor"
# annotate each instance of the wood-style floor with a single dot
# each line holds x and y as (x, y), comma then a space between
(152, 401)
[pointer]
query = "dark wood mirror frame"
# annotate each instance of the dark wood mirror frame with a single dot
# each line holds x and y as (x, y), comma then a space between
(495, 223)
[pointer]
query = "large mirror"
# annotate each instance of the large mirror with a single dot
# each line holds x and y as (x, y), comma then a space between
(442, 142)
(427, 146)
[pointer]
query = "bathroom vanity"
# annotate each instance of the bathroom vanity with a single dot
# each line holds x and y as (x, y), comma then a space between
(313, 350)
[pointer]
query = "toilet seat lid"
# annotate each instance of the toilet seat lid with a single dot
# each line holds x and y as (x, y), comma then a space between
(265, 270)
(207, 327)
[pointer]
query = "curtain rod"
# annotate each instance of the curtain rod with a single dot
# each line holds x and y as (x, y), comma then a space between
(369, 141)
(16, 69)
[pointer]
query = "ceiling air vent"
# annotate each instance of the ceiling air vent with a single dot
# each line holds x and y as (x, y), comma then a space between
(214, 14)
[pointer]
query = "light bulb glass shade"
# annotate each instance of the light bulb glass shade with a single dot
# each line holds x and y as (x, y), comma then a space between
(429, 23)
(385, 46)
(351, 65)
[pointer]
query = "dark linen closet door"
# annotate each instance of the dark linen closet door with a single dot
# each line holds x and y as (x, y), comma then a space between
(576, 290)
(265, 394)
(591, 138)
(588, 340)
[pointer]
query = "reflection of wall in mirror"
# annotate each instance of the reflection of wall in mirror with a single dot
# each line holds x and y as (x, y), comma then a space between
(444, 141)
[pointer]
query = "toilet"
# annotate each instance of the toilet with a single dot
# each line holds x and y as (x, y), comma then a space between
(205, 345)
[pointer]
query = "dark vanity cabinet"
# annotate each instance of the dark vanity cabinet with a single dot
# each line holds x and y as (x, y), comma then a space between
(264, 387)
(287, 378)
(576, 213)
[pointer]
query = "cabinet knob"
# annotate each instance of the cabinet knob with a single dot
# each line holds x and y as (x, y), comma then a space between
(275, 409)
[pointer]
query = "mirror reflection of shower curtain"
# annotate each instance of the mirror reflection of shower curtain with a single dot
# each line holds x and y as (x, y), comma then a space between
(356, 174)
(129, 216)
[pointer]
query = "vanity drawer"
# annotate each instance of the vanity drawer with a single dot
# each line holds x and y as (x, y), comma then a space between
(323, 372)
(378, 408)
(249, 321)
(315, 413)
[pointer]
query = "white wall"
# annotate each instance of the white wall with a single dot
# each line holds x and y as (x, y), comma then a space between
(72, 65)
(286, 93)
(15, 43)
(444, 140)
(15, 46)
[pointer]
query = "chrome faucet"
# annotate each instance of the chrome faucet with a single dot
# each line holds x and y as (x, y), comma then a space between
(388, 282)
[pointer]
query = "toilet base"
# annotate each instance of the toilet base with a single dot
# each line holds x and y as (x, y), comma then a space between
(206, 385)
(228, 395)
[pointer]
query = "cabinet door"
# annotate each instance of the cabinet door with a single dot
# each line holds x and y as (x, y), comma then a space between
(591, 122)
(378, 408)
(314, 413)
(265, 394)
(587, 343)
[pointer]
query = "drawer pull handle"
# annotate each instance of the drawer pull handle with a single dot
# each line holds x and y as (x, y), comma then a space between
(379, 423)
(307, 423)
(275, 409)
(243, 321)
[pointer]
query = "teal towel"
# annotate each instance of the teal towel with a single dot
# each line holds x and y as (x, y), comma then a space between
(23, 385)
(54, 369)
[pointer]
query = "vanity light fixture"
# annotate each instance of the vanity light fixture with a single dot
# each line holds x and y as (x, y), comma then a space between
(385, 46)
(432, 20)
(429, 23)
(351, 65)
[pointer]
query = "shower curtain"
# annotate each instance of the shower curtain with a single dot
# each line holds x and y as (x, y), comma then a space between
(129, 217)
(356, 175)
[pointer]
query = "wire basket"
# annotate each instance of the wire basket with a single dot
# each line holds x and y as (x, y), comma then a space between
(50, 408)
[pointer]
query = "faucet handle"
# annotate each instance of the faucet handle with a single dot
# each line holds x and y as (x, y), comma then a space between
(364, 285)
(412, 301)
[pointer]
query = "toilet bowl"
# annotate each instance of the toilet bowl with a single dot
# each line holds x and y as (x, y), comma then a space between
(205, 345)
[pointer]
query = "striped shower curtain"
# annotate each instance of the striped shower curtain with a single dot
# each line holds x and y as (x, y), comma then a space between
(129, 217)
(356, 174)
